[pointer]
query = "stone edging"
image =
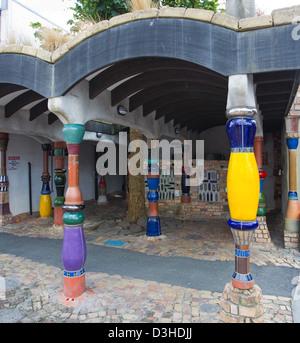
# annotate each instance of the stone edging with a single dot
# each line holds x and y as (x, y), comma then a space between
(284, 16)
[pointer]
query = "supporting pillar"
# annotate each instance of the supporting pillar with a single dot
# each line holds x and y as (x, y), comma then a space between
(261, 235)
(60, 182)
(185, 196)
(243, 195)
(241, 300)
(292, 219)
(74, 248)
(5, 215)
(45, 201)
(153, 222)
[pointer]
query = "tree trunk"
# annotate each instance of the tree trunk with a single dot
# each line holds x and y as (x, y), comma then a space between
(136, 203)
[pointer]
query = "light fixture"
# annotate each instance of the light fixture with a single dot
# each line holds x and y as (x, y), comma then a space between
(177, 131)
(98, 134)
(122, 111)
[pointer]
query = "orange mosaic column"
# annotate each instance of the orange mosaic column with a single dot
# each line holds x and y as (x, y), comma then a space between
(5, 215)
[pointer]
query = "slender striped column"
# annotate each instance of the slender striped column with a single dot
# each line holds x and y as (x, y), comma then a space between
(5, 215)
(74, 247)
(45, 201)
(153, 222)
(60, 181)
(293, 209)
(258, 142)
(243, 191)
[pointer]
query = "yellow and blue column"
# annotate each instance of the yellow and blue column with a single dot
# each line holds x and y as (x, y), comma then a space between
(45, 200)
(243, 187)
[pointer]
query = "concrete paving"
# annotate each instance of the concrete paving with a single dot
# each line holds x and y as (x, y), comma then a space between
(178, 277)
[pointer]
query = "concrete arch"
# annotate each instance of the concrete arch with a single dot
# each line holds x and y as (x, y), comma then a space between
(214, 41)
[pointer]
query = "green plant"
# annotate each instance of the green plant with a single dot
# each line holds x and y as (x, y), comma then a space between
(204, 4)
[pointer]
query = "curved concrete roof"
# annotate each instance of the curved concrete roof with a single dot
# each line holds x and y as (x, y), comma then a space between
(214, 40)
(220, 45)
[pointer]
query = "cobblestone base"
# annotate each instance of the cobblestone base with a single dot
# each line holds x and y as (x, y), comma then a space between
(291, 240)
(261, 237)
(35, 295)
(241, 306)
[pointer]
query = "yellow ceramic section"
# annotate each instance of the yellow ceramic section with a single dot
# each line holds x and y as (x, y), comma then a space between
(45, 205)
(243, 186)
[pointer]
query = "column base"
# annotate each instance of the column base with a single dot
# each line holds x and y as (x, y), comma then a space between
(291, 240)
(185, 199)
(261, 237)
(74, 286)
(241, 306)
(153, 226)
(102, 199)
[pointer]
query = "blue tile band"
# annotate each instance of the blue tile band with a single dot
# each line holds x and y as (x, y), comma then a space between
(74, 274)
(242, 253)
(242, 277)
(293, 195)
(243, 225)
(241, 150)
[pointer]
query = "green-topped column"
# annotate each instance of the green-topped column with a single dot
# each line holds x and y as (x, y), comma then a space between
(60, 181)
(74, 247)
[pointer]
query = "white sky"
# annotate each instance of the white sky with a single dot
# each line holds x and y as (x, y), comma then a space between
(58, 12)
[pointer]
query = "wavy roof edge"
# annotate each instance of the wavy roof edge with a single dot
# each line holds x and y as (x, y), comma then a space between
(279, 17)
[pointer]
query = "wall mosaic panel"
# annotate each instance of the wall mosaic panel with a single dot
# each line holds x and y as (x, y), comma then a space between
(209, 190)
(166, 189)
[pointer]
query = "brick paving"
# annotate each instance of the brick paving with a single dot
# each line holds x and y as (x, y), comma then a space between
(34, 291)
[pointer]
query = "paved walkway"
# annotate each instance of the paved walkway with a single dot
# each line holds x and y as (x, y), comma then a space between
(178, 277)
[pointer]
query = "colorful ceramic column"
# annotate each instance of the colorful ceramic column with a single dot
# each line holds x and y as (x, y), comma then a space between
(292, 217)
(185, 188)
(60, 181)
(102, 198)
(74, 247)
(5, 215)
(243, 192)
(258, 143)
(153, 222)
(261, 235)
(45, 201)
(293, 209)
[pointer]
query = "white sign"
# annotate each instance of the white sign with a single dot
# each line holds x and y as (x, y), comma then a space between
(13, 162)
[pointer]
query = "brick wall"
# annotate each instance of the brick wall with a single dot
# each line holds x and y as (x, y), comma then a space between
(197, 208)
